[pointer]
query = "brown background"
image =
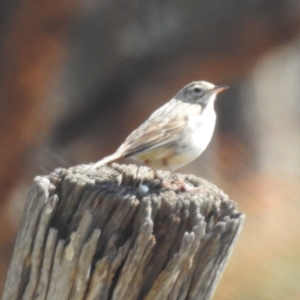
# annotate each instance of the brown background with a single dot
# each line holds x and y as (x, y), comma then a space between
(76, 77)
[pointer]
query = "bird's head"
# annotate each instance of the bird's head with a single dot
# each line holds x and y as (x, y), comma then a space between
(200, 92)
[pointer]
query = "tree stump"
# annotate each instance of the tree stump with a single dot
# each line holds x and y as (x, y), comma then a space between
(116, 233)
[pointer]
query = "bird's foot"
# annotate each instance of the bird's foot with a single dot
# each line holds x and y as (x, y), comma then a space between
(185, 187)
(182, 186)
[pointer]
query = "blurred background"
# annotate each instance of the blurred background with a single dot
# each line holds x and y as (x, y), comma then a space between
(76, 77)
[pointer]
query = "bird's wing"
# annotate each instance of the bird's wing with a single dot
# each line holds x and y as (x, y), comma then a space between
(163, 128)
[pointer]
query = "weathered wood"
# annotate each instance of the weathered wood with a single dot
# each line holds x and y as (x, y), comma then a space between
(47, 265)
(54, 278)
(118, 234)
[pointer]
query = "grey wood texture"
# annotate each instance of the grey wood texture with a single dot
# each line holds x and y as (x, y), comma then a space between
(116, 233)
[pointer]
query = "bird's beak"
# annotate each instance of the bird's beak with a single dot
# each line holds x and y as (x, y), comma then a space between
(219, 88)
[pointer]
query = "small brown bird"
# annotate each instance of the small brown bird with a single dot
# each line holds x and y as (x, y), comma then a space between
(176, 133)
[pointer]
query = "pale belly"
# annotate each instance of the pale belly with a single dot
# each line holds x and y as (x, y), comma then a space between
(197, 139)
(191, 144)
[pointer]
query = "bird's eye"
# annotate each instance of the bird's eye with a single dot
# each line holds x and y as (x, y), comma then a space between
(197, 90)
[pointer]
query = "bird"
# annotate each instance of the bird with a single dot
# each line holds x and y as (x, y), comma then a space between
(175, 134)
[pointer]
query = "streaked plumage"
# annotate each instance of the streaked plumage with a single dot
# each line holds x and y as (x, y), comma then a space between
(176, 133)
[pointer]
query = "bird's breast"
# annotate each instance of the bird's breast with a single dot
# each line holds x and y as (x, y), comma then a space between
(199, 131)
(191, 143)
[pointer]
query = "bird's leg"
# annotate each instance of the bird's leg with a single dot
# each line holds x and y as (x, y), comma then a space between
(183, 186)
(163, 182)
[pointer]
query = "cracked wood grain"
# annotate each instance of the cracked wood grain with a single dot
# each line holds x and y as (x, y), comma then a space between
(116, 234)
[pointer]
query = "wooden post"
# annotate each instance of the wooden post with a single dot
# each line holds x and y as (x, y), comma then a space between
(116, 233)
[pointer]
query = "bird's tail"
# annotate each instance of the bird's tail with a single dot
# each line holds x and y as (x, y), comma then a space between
(105, 161)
